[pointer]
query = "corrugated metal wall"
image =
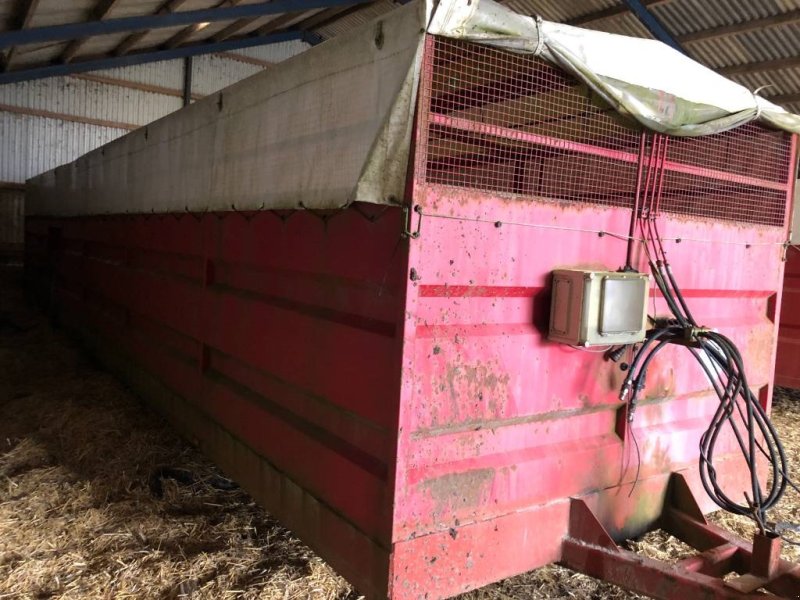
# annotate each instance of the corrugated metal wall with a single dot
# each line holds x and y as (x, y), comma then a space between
(48, 122)
(31, 145)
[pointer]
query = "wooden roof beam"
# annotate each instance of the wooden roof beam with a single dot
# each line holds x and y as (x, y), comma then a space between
(129, 42)
(325, 16)
(184, 34)
(318, 18)
(232, 29)
(25, 11)
(280, 22)
(100, 12)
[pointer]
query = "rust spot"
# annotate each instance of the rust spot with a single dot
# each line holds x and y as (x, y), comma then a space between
(468, 383)
(659, 457)
(758, 352)
(614, 376)
(663, 385)
(458, 489)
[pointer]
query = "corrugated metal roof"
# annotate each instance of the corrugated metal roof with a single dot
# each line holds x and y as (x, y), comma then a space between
(700, 19)
(558, 10)
(743, 48)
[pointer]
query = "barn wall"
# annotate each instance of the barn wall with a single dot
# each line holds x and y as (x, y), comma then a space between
(48, 122)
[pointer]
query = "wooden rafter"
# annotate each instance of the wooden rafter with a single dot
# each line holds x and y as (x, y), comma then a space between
(231, 29)
(184, 34)
(325, 16)
(134, 85)
(100, 12)
(331, 14)
(25, 11)
(314, 19)
(129, 42)
(278, 23)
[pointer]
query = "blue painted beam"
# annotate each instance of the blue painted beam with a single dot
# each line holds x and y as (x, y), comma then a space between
(73, 31)
(147, 56)
(653, 25)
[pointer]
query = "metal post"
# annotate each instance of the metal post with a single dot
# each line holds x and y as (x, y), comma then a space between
(653, 25)
(187, 80)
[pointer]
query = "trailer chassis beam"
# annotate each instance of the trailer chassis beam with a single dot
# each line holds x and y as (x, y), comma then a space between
(589, 549)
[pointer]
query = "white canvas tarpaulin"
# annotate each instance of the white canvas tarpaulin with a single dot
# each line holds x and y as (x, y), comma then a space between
(645, 80)
(320, 130)
(333, 125)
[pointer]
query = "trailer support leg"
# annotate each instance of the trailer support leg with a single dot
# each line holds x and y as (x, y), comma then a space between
(589, 549)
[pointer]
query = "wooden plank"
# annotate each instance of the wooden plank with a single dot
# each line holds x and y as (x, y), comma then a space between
(47, 114)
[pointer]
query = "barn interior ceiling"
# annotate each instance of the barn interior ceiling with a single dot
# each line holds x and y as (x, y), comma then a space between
(756, 44)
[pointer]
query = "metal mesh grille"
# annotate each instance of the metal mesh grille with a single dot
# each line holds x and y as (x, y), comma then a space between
(510, 123)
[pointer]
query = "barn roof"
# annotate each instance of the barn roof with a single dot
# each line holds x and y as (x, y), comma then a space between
(756, 44)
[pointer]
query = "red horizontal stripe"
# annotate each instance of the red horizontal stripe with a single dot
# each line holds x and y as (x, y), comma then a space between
(476, 330)
(703, 293)
(477, 291)
(507, 291)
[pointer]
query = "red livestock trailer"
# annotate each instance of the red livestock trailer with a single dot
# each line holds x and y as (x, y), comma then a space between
(395, 287)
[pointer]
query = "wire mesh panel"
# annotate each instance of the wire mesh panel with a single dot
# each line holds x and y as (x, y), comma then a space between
(739, 175)
(511, 123)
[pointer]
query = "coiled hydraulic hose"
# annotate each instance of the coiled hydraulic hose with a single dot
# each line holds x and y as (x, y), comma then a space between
(739, 409)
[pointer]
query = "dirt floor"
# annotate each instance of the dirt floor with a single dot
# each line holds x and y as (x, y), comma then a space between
(78, 517)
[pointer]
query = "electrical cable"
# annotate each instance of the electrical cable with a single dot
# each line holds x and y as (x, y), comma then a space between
(739, 410)
(723, 364)
(638, 461)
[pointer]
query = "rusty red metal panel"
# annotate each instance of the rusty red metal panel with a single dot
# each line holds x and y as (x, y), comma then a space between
(498, 426)
(787, 365)
(588, 548)
(280, 330)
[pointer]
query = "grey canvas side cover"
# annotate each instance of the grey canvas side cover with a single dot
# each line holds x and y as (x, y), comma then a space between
(333, 125)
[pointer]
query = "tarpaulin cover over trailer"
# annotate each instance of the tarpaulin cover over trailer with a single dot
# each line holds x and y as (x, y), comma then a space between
(327, 146)
(336, 277)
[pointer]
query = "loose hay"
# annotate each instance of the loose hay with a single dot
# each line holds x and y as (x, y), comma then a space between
(78, 520)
